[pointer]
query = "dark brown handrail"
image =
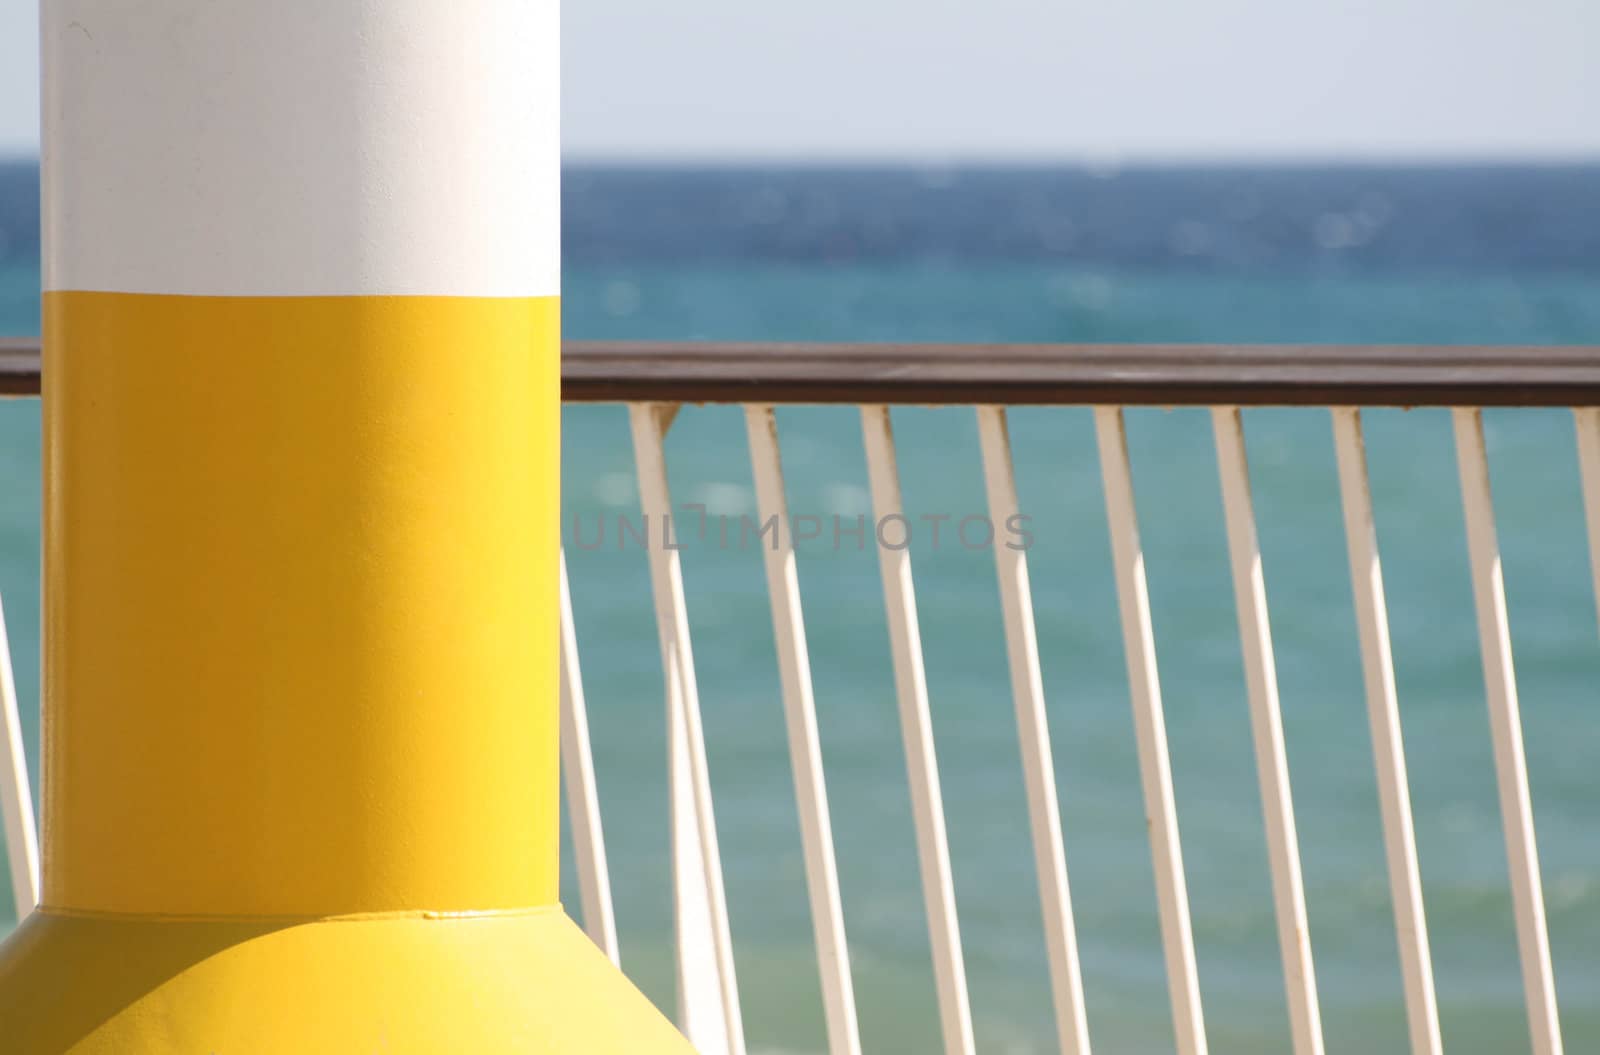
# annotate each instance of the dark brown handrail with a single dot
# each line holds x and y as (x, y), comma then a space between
(19, 366)
(1017, 374)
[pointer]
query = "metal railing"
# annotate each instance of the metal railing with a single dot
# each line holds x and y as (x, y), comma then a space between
(655, 380)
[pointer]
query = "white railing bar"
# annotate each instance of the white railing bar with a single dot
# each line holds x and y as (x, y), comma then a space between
(1587, 420)
(16, 799)
(708, 992)
(1033, 733)
(1388, 746)
(805, 748)
(583, 800)
(905, 639)
(1155, 770)
(1266, 722)
(1505, 721)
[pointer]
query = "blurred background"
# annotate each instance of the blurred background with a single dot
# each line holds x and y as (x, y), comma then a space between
(1408, 171)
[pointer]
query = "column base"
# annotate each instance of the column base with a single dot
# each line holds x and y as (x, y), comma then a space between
(524, 983)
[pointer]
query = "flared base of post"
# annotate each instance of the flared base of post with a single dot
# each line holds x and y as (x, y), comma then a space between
(526, 983)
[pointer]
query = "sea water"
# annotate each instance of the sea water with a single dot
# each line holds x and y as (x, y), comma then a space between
(1353, 254)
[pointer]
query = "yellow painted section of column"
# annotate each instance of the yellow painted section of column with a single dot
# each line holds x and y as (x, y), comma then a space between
(300, 723)
(300, 604)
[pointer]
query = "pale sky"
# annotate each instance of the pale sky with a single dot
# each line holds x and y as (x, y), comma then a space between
(1044, 79)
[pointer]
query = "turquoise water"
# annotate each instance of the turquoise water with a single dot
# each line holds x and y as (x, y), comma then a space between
(1018, 295)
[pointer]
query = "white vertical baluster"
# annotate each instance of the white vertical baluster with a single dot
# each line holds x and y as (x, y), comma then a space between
(16, 800)
(708, 994)
(905, 639)
(1587, 420)
(1388, 748)
(805, 750)
(1272, 763)
(583, 801)
(1161, 814)
(1033, 729)
(1505, 722)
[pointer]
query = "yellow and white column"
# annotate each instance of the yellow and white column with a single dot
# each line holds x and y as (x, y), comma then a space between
(301, 512)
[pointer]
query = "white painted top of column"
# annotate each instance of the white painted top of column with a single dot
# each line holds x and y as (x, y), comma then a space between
(302, 147)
